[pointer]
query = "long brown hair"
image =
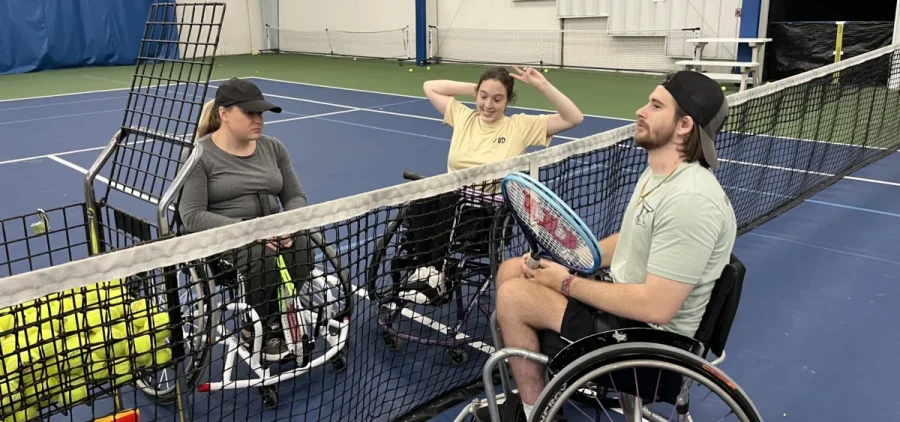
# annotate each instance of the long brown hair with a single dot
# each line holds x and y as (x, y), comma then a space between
(692, 149)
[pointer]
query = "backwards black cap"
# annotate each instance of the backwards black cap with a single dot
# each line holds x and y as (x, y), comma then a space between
(244, 94)
(702, 99)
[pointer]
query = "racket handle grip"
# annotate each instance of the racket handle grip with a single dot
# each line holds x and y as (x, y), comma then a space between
(533, 263)
(408, 175)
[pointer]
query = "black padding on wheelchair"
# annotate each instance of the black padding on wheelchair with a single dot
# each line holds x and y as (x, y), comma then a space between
(666, 385)
(722, 307)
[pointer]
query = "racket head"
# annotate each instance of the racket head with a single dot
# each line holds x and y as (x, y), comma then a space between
(549, 223)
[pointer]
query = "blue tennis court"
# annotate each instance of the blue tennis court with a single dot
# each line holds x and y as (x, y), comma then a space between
(814, 335)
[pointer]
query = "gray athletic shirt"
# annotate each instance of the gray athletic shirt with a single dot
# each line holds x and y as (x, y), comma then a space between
(222, 189)
(684, 231)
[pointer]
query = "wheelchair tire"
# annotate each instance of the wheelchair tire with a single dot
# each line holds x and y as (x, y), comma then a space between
(199, 358)
(342, 274)
(610, 358)
(374, 270)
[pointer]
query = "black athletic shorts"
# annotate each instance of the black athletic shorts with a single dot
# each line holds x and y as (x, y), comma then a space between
(580, 321)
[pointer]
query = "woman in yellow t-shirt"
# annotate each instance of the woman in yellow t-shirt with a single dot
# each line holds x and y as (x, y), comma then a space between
(481, 135)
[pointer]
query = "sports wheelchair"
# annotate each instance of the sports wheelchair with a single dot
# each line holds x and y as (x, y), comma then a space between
(588, 370)
(315, 315)
(478, 233)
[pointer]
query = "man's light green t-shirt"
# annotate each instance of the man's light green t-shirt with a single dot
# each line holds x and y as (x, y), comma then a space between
(684, 230)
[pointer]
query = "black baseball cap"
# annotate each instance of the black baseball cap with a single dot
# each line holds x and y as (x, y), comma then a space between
(244, 94)
(702, 99)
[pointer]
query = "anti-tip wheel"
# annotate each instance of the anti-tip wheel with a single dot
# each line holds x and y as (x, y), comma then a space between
(392, 343)
(269, 396)
(458, 356)
(339, 361)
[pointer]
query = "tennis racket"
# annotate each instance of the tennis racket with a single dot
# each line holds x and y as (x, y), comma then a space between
(551, 228)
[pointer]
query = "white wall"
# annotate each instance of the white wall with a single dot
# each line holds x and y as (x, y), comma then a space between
(612, 34)
(497, 14)
(241, 31)
(520, 31)
(715, 18)
(386, 17)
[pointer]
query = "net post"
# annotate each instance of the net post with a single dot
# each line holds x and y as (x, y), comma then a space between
(421, 33)
(838, 48)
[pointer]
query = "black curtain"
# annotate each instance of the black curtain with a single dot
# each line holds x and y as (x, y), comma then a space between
(804, 33)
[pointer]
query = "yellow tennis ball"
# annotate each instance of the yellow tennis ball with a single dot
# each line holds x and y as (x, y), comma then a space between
(410, 70)
(23, 415)
(723, 88)
(428, 68)
(71, 396)
(7, 322)
(546, 70)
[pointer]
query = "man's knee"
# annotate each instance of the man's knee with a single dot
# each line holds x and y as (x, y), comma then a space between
(509, 269)
(520, 300)
(511, 298)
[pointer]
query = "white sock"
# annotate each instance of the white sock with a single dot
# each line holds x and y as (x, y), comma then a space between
(528, 409)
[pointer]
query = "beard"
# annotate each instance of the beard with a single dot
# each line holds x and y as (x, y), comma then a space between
(652, 138)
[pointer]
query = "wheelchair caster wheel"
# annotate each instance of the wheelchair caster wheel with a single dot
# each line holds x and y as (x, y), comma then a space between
(458, 356)
(339, 361)
(392, 343)
(269, 396)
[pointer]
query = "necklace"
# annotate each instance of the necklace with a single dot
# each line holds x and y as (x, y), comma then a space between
(644, 186)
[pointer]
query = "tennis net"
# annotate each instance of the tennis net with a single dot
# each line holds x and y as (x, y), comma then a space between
(384, 44)
(157, 326)
(633, 50)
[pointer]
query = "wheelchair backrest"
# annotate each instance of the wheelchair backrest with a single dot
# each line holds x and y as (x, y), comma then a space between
(722, 307)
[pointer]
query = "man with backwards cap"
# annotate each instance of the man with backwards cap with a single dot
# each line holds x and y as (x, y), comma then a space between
(676, 237)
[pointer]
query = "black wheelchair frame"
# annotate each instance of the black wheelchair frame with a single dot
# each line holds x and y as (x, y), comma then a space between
(583, 358)
(390, 306)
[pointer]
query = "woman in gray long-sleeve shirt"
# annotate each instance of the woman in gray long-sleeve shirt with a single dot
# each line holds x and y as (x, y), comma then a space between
(243, 174)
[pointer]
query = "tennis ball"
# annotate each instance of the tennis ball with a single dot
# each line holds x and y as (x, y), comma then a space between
(723, 88)
(8, 386)
(428, 68)
(71, 396)
(142, 346)
(410, 70)
(7, 322)
(23, 415)
(163, 356)
(38, 227)
(546, 70)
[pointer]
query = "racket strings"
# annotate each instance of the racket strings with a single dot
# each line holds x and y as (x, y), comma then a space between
(550, 228)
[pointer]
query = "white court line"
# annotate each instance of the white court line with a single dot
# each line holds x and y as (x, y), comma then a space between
(62, 103)
(434, 325)
(117, 186)
(352, 108)
(470, 102)
(411, 96)
(860, 179)
(103, 90)
(77, 151)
